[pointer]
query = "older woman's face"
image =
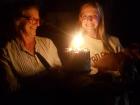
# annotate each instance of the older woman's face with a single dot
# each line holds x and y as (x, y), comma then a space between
(30, 21)
(89, 18)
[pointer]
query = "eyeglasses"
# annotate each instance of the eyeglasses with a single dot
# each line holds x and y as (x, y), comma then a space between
(32, 20)
(89, 17)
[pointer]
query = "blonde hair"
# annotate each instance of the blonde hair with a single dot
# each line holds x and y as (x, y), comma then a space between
(101, 32)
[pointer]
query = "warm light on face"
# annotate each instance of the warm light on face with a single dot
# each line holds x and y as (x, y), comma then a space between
(77, 41)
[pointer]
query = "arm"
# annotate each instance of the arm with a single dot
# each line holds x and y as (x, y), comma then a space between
(54, 54)
(7, 75)
(111, 61)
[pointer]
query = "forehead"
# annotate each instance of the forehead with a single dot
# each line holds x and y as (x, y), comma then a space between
(31, 12)
(89, 10)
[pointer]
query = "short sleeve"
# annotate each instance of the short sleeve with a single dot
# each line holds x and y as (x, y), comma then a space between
(115, 44)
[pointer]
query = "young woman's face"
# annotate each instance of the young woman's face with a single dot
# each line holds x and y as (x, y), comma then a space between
(30, 21)
(89, 18)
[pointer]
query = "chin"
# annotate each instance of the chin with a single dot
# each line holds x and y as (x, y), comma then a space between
(33, 34)
(90, 31)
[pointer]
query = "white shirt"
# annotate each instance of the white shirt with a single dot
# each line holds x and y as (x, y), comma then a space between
(15, 57)
(97, 49)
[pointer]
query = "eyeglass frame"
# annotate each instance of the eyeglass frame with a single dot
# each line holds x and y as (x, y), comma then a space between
(90, 17)
(32, 19)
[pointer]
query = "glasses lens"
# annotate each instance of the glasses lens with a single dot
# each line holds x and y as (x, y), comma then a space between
(32, 20)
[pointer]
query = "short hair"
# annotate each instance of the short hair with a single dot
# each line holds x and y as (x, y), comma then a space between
(22, 6)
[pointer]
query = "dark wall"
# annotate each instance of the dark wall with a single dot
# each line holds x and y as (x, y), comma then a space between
(126, 20)
(60, 18)
(121, 17)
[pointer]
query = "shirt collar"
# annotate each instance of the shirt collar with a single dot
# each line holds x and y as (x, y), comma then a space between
(22, 47)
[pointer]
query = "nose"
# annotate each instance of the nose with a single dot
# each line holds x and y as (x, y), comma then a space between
(38, 23)
(90, 18)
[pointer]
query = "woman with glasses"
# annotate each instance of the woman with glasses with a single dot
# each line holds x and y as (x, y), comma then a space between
(105, 53)
(27, 55)
(100, 44)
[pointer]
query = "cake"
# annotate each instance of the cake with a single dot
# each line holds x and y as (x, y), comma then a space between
(77, 60)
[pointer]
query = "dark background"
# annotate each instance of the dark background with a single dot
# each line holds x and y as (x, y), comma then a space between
(59, 19)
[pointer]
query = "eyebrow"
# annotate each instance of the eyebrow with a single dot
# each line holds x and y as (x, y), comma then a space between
(25, 16)
(28, 17)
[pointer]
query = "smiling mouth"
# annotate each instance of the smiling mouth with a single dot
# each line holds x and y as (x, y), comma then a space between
(34, 28)
(89, 25)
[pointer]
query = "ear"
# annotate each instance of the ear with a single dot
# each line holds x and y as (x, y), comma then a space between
(19, 23)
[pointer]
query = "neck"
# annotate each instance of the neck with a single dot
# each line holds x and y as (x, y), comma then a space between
(92, 34)
(29, 43)
(28, 39)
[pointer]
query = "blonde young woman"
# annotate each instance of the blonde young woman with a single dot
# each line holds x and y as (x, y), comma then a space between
(102, 46)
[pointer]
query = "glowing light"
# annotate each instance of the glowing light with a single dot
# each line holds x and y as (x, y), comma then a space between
(77, 41)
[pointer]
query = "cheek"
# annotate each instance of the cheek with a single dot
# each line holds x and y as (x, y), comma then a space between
(27, 28)
(95, 22)
(83, 23)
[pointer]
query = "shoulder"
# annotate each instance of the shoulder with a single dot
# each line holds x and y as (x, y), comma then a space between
(8, 47)
(113, 40)
(9, 44)
(43, 39)
(115, 43)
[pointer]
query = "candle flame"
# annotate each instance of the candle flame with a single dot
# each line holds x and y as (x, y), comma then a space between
(77, 41)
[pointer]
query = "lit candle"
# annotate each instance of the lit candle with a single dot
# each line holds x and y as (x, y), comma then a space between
(77, 57)
(77, 42)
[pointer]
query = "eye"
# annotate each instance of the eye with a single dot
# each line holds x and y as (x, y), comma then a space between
(32, 20)
(90, 17)
(84, 17)
(95, 16)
